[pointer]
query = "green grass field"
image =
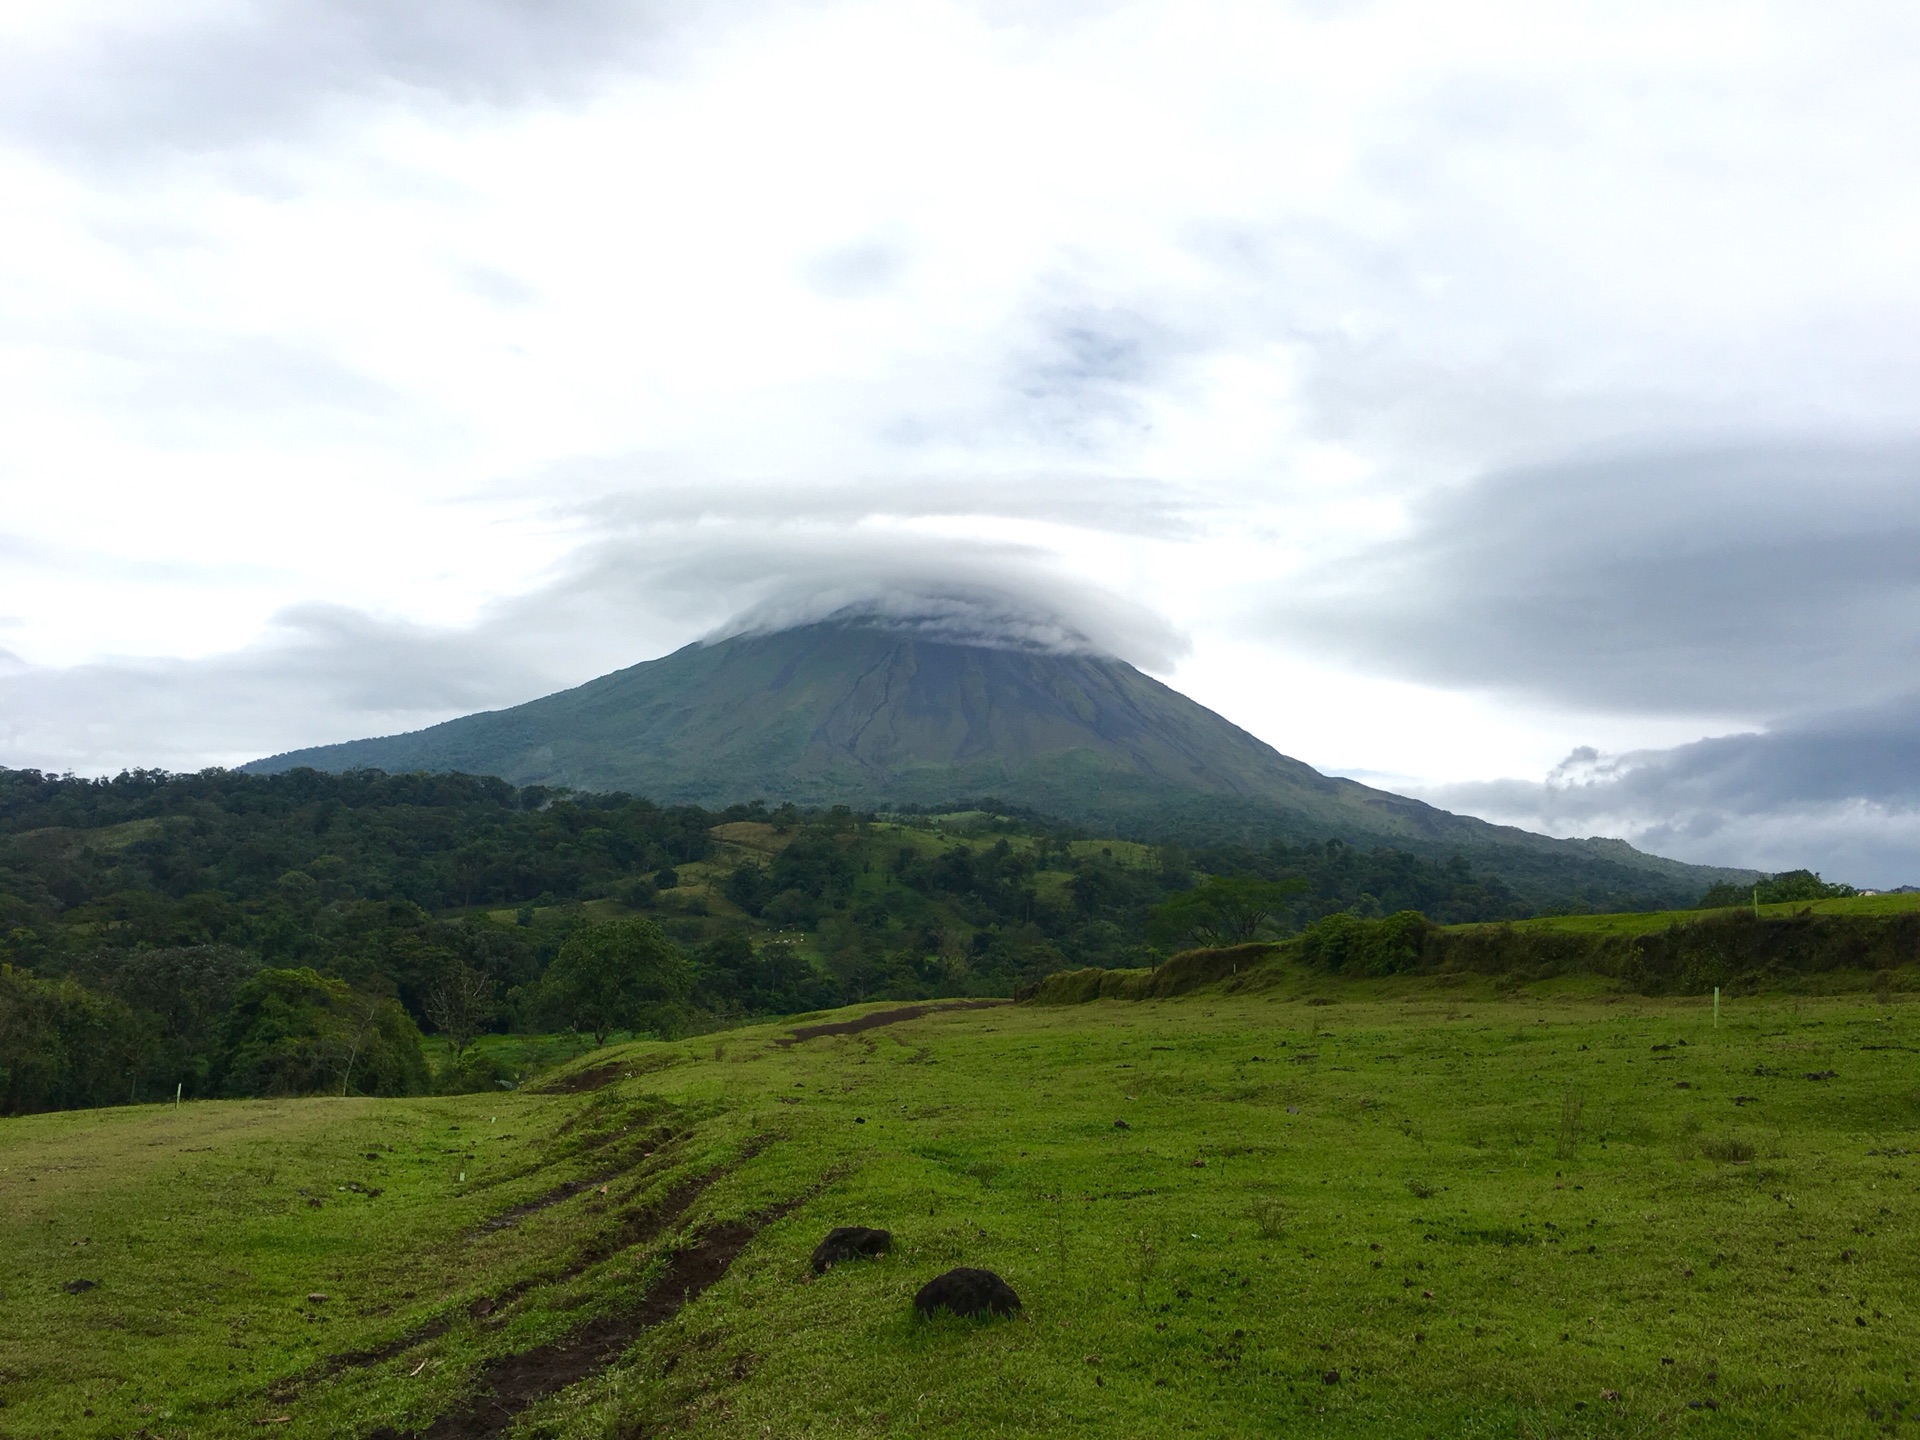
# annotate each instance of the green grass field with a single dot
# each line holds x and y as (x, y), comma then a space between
(1396, 1209)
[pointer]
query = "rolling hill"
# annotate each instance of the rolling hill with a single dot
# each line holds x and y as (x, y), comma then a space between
(869, 714)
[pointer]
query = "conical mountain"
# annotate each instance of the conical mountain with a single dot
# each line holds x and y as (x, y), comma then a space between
(871, 714)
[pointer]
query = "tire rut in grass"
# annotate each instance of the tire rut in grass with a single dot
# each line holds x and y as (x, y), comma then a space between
(636, 1227)
(878, 1018)
(512, 1216)
(513, 1383)
(598, 1077)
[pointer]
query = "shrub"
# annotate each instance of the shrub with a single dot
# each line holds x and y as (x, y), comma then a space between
(1351, 945)
(1269, 1217)
(294, 1032)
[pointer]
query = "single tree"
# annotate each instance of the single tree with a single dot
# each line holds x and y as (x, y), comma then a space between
(459, 1004)
(1224, 910)
(619, 975)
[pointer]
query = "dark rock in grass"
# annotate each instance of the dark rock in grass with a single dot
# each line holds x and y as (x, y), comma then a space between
(1121, 1125)
(849, 1242)
(967, 1292)
(1823, 1074)
(80, 1287)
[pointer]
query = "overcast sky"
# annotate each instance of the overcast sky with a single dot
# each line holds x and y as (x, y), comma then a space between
(1512, 404)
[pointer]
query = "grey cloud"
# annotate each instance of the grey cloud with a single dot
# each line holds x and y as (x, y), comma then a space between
(1074, 371)
(319, 669)
(1839, 791)
(175, 385)
(78, 561)
(1732, 581)
(323, 673)
(635, 492)
(233, 74)
(1082, 378)
(855, 272)
(497, 286)
(179, 382)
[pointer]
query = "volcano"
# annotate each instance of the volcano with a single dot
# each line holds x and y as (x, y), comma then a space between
(873, 715)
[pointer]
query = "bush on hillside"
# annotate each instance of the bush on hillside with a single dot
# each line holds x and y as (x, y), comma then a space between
(473, 1071)
(295, 1032)
(1350, 945)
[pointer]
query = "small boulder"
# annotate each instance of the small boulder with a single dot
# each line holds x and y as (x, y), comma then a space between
(80, 1287)
(849, 1242)
(966, 1292)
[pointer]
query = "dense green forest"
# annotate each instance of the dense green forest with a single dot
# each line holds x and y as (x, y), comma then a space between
(228, 933)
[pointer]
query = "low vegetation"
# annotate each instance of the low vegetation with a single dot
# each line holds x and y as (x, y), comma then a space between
(1339, 1206)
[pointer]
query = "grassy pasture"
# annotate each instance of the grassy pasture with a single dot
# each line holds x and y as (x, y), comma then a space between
(1380, 1209)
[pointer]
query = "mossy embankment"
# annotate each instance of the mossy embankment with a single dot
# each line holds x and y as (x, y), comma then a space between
(1837, 946)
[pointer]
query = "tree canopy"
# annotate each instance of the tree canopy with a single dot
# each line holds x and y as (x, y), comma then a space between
(1786, 887)
(140, 914)
(1224, 910)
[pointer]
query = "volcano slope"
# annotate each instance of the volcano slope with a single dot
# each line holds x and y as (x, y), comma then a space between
(860, 714)
(1374, 1208)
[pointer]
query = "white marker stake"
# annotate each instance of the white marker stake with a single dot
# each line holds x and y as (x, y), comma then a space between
(178, 1087)
(1716, 1007)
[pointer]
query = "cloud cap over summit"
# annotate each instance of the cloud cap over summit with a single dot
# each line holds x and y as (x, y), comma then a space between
(1047, 619)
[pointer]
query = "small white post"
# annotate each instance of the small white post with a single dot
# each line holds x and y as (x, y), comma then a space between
(177, 1087)
(1716, 1007)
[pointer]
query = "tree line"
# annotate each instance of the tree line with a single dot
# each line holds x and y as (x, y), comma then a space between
(225, 933)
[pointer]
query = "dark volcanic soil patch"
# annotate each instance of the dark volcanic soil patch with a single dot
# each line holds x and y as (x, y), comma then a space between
(880, 1017)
